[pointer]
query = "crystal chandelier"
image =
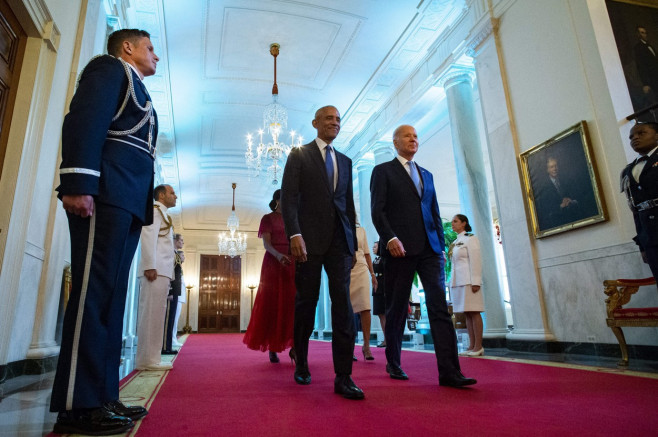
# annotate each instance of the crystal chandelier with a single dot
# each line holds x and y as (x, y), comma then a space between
(270, 153)
(233, 244)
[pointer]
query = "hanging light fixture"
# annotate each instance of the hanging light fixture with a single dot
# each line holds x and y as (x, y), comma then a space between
(232, 244)
(270, 153)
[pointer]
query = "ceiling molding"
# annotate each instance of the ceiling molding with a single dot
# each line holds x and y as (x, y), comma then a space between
(414, 46)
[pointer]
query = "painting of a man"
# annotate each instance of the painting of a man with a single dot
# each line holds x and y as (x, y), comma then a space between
(562, 182)
(635, 28)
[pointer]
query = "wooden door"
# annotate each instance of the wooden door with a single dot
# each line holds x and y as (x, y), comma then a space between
(220, 283)
(12, 49)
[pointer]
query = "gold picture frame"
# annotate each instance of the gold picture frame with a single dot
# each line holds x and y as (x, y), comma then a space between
(561, 183)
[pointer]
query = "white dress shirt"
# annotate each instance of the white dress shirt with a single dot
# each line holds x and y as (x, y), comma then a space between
(639, 165)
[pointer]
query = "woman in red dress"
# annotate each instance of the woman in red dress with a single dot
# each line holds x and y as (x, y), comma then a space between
(271, 324)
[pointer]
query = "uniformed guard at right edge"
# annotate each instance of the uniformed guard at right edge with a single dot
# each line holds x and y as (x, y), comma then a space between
(639, 180)
(106, 187)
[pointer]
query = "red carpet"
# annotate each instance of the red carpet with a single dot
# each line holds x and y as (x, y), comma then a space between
(220, 388)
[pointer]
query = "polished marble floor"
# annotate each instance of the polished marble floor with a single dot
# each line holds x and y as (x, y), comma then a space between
(24, 400)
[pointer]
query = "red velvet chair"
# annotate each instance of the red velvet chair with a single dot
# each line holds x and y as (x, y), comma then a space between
(619, 293)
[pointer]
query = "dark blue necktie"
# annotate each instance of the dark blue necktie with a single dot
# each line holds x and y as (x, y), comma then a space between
(413, 172)
(329, 164)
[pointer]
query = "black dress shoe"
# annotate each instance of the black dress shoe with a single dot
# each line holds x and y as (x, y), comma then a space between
(457, 380)
(97, 421)
(169, 352)
(344, 386)
(129, 411)
(395, 372)
(302, 377)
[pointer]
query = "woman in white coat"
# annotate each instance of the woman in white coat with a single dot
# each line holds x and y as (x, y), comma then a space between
(466, 278)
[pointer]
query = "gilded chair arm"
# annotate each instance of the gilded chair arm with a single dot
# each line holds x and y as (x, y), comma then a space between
(619, 292)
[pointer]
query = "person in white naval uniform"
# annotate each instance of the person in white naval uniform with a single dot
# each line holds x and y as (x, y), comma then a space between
(465, 282)
(156, 267)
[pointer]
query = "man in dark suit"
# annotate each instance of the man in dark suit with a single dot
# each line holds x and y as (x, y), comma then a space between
(556, 202)
(646, 60)
(639, 180)
(405, 213)
(318, 212)
(106, 187)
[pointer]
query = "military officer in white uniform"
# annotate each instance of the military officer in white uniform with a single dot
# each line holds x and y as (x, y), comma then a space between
(156, 269)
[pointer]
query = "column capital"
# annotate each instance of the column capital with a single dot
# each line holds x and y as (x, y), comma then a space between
(383, 151)
(456, 74)
(363, 164)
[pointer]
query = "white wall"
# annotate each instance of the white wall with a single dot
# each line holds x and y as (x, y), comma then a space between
(554, 83)
(31, 276)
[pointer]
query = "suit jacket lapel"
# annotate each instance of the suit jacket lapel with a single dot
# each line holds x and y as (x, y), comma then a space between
(319, 162)
(402, 174)
(423, 178)
(341, 164)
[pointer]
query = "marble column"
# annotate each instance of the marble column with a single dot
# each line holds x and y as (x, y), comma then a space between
(473, 191)
(364, 171)
(384, 152)
(323, 311)
(526, 293)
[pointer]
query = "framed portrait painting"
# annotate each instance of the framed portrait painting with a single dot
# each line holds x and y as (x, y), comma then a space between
(635, 27)
(561, 183)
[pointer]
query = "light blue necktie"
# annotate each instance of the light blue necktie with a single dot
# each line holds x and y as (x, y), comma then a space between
(413, 172)
(329, 164)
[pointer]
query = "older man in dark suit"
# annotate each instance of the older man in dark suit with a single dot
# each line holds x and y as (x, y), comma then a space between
(318, 212)
(646, 60)
(406, 214)
(106, 187)
(556, 201)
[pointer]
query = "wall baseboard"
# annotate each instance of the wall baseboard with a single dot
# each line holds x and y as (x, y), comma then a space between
(638, 352)
(36, 366)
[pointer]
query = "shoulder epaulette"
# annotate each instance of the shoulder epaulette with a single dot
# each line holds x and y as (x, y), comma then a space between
(169, 223)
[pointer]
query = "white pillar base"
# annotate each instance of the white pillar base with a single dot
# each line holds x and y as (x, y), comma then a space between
(495, 333)
(531, 335)
(42, 352)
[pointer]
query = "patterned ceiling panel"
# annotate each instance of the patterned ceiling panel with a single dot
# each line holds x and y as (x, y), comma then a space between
(238, 39)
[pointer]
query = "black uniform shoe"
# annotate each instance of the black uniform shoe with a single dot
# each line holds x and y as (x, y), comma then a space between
(395, 372)
(169, 352)
(457, 380)
(302, 377)
(344, 386)
(96, 421)
(129, 411)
